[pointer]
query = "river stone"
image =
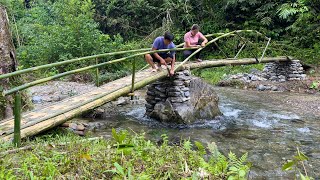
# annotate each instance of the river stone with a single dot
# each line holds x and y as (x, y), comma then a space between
(151, 93)
(178, 83)
(174, 89)
(186, 72)
(36, 99)
(185, 89)
(80, 127)
(254, 78)
(187, 83)
(261, 87)
(149, 106)
(274, 88)
(161, 89)
(174, 94)
(73, 126)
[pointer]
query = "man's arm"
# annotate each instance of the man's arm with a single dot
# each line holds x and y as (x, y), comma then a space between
(205, 40)
(173, 62)
(189, 45)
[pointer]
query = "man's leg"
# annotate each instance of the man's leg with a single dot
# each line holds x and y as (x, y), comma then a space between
(198, 54)
(187, 53)
(149, 60)
(168, 60)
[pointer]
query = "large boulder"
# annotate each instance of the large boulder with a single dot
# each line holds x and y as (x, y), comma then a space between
(184, 100)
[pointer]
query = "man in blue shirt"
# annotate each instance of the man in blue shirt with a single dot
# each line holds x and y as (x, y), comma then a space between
(162, 58)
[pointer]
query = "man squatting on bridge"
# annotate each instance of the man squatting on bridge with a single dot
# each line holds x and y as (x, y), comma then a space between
(162, 58)
(193, 38)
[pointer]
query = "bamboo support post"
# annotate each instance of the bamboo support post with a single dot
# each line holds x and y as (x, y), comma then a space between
(133, 77)
(245, 41)
(240, 51)
(215, 43)
(265, 49)
(17, 119)
(97, 74)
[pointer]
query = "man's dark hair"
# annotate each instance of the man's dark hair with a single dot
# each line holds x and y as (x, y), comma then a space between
(195, 27)
(168, 36)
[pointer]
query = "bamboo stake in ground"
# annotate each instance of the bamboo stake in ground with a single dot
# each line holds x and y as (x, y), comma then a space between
(17, 120)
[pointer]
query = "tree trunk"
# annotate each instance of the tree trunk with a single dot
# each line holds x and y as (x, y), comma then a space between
(8, 62)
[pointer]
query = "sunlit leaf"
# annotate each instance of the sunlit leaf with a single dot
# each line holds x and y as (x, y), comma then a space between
(86, 156)
(288, 166)
(119, 168)
(242, 173)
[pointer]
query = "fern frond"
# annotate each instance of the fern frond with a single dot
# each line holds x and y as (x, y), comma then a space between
(266, 21)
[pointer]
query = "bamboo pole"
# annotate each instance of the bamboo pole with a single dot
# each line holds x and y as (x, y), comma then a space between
(97, 74)
(133, 76)
(40, 81)
(240, 51)
(265, 49)
(244, 40)
(215, 43)
(244, 61)
(17, 119)
(68, 62)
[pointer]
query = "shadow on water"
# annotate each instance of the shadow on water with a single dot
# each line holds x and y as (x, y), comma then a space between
(251, 124)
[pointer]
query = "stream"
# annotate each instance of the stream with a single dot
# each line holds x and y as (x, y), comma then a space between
(252, 122)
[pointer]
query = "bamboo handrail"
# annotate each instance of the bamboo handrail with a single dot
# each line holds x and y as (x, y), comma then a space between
(30, 84)
(81, 59)
(40, 81)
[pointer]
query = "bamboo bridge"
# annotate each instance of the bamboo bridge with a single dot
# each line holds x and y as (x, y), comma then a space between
(36, 121)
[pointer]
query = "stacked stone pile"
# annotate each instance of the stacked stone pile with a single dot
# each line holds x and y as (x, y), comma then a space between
(284, 71)
(175, 90)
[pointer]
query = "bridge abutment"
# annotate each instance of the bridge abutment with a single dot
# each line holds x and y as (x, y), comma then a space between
(181, 99)
(284, 71)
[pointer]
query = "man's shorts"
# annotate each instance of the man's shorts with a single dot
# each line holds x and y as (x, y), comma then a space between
(163, 55)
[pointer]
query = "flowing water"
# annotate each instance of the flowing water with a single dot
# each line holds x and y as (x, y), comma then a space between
(251, 122)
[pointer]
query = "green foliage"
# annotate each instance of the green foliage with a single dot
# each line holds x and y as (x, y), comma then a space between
(214, 75)
(104, 159)
(287, 10)
(238, 170)
(295, 163)
(315, 85)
